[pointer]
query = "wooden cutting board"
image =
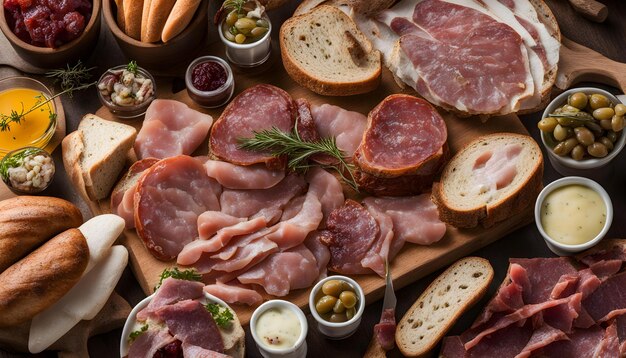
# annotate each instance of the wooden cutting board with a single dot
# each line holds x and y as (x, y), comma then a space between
(414, 261)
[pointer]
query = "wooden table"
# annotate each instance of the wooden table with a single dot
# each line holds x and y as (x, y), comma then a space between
(607, 38)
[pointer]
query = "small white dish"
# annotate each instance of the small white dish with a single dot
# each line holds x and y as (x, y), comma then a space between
(131, 324)
(340, 330)
(248, 55)
(588, 166)
(298, 350)
(564, 249)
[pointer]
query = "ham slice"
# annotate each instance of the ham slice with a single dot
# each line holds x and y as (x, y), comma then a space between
(210, 222)
(199, 352)
(345, 126)
(123, 194)
(543, 275)
(319, 250)
(609, 346)
(608, 300)
(233, 176)
(284, 271)
(234, 294)
(382, 248)
(171, 128)
(543, 336)
(494, 171)
(168, 200)
(149, 342)
(171, 291)
(404, 146)
(385, 330)
(327, 188)
(257, 108)
(293, 232)
(614, 252)
(236, 258)
(581, 343)
(415, 218)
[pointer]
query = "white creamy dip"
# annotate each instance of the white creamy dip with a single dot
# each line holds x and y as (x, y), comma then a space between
(573, 214)
(278, 328)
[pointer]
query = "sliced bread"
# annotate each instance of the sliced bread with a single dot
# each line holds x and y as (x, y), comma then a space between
(95, 154)
(474, 190)
(441, 304)
(324, 51)
(365, 7)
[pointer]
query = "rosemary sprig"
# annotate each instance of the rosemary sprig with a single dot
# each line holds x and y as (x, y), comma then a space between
(299, 151)
(71, 78)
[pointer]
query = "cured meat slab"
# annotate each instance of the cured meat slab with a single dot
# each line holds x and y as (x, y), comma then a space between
(413, 262)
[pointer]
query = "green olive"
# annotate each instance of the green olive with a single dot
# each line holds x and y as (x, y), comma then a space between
(348, 298)
(598, 101)
(595, 128)
(617, 123)
(562, 133)
(338, 317)
(578, 153)
(603, 113)
(547, 124)
(597, 150)
(606, 124)
(240, 38)
(564, 148)
(620, 109)
(229, 36)
(231, 18)
(350, 312)
(569, 109)
(325, 304)
(612, 136)
(262, 23)
(258, 31)
(584, 136)
(245, 25)
(607, 143)
(339, 307)
(332, 287)
(578, 100)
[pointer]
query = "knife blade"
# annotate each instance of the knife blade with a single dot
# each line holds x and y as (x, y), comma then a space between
(390, 295)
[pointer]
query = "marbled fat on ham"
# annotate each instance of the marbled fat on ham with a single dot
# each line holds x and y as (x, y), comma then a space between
(257, 108)
(171, 128)
(169, 198)
(234, 176)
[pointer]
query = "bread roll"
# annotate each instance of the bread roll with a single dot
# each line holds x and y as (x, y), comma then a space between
(42, 278)
(145, 17)
(132, 18)
(179, 18)
(121, 21)
(28, 221)
(159, 12)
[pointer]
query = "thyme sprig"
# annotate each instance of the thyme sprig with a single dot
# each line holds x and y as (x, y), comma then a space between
(298, 151)
(71, 77)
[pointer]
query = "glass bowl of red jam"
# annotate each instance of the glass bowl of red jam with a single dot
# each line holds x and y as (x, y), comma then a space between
(210, 81)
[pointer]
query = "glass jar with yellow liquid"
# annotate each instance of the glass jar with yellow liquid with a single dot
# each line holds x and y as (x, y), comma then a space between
(36, 127)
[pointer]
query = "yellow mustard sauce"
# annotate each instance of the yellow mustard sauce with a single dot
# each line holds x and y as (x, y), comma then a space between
(33, 125)
(573, 214)
(278, 328)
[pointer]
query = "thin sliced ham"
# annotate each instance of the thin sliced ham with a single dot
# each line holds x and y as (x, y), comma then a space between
(345, 126)
(238, 259)
(210, 222)
(581, 343)
(327, 188)
(123, 194)
(234, 176)
(543, 275)
(149, 342)
(541, 337)
(319, 250)
(199, 352)
(293, 232)
(171, 291)
(385, 330)
(171, 128)
(234, 294)
(381, 250)
(608, 300)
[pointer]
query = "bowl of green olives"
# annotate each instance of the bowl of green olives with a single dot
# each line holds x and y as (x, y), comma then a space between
(245, 31)
(582, 129)
(337, 304)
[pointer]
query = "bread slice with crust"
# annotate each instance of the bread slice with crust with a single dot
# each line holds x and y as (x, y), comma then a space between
(324, 51)
(441, 304)
(465, 201)
(365, 7)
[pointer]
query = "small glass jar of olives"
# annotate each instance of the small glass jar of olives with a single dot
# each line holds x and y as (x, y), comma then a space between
(245, 31)
(582, 128)
(337, 303)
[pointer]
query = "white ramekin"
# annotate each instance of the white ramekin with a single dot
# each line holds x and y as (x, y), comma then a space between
(299, 349)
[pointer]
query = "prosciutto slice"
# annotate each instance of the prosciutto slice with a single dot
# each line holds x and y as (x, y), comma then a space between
(257, 108)
(233, 176)
(123, 194)
(608, 300)
(149, 342)
(170, 292)
(168, 199)
(171, 128)
(234, 294)
(345, 126)
(199, 352)
(210, 222)
(543, 336)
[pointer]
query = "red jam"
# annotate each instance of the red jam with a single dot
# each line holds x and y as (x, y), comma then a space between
(208, 76)
(47, 23)
(172, 350)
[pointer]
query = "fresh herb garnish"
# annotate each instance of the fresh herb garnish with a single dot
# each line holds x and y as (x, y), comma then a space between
(71, 78)
(132, 67)
(189, 275)
(299, 151)
(221, 315)
(133, 335)
(14, 161)
(234, 5)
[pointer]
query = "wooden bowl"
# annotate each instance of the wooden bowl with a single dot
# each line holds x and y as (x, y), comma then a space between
(70, 52)
(161, 55)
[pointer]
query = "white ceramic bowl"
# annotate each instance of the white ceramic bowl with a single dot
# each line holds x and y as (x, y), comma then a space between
(560, 248)
(248, 55)
(131, 322)
(566, 165)
(299, 349)
(338, 330)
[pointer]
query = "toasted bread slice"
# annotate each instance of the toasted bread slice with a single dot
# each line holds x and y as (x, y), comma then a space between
(441, 304)
(324, 51)
(365, 7)
(465, 200)
(179, 18)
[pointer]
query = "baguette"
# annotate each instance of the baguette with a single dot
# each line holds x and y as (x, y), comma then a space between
(441, 304)
(44, 276)
(324, 51)
(179, 18)
(459, 194)
(29, 221)
(132, 18)
(121, 20)
(145, 18)
(159, 12)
